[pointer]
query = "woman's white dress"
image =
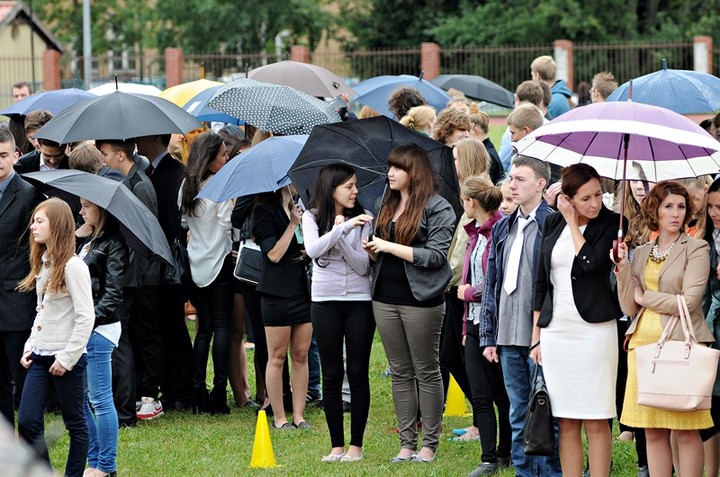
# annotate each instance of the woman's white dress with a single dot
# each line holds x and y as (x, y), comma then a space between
(579, 358)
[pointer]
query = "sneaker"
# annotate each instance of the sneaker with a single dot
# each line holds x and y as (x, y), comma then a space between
(150, 409)
(643, 471)
(486, 468)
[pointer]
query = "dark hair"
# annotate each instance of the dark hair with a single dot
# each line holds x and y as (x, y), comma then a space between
(709, 228)
(652, 202)
(403, 99)
(203, 151)
(7, 137)
(412, 159)
(322, 201)
(481, 190)
(575, 176)
(37, 119)
(23, 84)
(127, 146)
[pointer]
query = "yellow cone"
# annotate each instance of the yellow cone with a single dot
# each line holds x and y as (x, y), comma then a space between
(262, 454)
(455, 404)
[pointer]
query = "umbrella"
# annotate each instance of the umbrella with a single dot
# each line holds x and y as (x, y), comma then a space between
(311, 79)
(135, 88)
(197, 107)
(55, 101)
(477, 87)
(376, 92)
(262, 168)
(365, 144)
(118, 116)
(138, 225)
(182, 93)
(272, 107)
(682, 91)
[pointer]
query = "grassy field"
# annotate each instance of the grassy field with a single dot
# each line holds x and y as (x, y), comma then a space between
(186, 445)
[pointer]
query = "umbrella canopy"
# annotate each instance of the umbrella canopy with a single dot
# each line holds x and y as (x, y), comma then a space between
(682, 91)
(55, 101)
(376, 92)
(660, 144)
(138, 225)
(262, 168)
(197, 106)
(365, 144)
(477, 87)
(182, 93)
(118, 116)
(311, 79)
(135, 88)
(272, 107)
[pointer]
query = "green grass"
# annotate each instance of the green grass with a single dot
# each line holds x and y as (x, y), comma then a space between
(495, 132)
(183, 444)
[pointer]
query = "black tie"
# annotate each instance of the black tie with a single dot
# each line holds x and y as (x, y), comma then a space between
(149, 171)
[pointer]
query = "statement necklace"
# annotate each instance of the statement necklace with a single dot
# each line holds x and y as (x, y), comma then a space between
(659, 257)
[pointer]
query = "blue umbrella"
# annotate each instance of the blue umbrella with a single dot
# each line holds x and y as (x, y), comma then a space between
(55, 101)
(681, 91)
(197, 107)
(376, 92)
(262, 168)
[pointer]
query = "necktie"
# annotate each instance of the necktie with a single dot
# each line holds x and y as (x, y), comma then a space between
(513, 264)
(149, 170)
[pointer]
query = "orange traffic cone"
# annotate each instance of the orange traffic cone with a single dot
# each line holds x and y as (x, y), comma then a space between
(262, 455)
(455, 404)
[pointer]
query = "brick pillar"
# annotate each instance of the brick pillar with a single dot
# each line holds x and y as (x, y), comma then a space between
(429, 60)
(563, 53)
(173, 66)
(703, 54)
(51, 70)
(300, 53)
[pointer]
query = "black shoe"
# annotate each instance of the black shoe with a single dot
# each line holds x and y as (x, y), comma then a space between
(504, 462)
(346, 406)
(486, 468)
(177, 406)
(218, 403)
(132, 422)
(268, 410)
(201, 401)
(313, 400)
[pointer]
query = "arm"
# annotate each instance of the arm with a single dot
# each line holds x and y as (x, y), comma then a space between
(77, 278)
(115, 265)
(535, 353)
(223, 212)
(472, 293)
(317, 246)
(541, 277)
(592, 257)
(358, 259)
(487, 329)
(242, 210)
(625, 282)
(264, 231)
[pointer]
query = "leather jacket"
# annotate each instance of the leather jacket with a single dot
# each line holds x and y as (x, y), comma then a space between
(107, 260)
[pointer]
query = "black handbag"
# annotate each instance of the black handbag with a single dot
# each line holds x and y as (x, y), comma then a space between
(539, 430)
(249, 266)
(179, 272)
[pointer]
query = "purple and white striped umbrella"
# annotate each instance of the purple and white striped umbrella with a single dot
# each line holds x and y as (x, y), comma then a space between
(661, 144)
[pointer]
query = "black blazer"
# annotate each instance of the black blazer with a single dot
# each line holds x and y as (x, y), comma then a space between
(17, 310)
(594, 296)
(30, 162)
(167, 179)
(286, 278)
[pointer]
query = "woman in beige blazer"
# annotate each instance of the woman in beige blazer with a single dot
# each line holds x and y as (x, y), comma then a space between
(672, 264)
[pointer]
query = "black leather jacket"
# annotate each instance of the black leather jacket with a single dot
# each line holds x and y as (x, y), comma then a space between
(107, 260)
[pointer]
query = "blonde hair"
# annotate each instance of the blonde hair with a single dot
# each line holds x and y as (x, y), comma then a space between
(368, 112)
(701, 183)
(545, 67)
(481, 190)
(60, 246)
(418, 118)
(472, 158)
(526, 115)
(259, 137)
(479, 119)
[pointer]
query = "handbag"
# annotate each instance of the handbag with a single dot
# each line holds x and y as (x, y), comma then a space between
(539, 430)
(676, 375)
(249, 266)
(179, 272)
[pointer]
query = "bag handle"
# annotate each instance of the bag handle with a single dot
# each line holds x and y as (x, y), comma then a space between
(688, 329)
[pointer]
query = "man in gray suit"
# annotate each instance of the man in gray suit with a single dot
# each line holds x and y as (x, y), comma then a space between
(17, 310)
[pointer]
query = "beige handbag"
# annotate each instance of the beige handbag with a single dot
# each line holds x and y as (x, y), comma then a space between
(676, 375)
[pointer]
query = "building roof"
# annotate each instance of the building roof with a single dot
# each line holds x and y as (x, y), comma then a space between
(11, 11)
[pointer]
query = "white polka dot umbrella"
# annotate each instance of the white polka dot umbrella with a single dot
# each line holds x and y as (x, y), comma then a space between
(272, 107)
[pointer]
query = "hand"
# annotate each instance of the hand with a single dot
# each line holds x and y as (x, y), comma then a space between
(490, 353)
(234, 255)
(57, 369)
(361, 220)
(366, 247)
(622, 256)
(536, 355)
(461, 291)
(25, 360)
(295, 214)
(566, 208)
(718, 271)
(552, 192)
(464, 340)
(339, 219)
(378, 245)
(345, 97)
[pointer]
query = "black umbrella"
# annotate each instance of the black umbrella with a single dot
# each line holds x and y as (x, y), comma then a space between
(365, 144)
(120, 116)
(138, 225)
(477, 87)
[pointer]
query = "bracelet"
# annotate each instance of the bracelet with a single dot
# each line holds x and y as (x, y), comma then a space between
(532, 347)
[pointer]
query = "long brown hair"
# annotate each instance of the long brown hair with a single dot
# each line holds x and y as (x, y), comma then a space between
(421, 186)
(60, 246)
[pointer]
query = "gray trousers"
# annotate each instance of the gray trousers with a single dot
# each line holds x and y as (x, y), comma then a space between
(411, 338)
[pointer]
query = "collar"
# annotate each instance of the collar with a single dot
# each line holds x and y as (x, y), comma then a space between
(43, 165)
(156, 162)
(531, 215)
(4, 184)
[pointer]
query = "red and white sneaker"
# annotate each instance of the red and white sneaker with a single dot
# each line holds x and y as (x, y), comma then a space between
(149, 409)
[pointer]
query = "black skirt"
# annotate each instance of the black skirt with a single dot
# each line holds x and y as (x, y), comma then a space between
(280, 311)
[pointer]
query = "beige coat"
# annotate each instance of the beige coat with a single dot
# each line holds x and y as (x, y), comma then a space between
(685, 271)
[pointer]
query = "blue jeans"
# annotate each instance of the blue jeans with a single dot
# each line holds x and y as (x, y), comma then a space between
(314, 369)
(517, 371)
(103, 422)
(70, 389)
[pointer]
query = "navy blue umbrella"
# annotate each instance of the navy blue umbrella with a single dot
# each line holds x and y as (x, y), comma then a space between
(55, 101)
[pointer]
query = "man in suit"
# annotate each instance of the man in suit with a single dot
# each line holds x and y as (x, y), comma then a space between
(50, 156)
(506, 324)
(166, 174)
(17, 310)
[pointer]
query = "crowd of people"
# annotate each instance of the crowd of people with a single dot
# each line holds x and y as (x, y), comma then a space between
(524, 277)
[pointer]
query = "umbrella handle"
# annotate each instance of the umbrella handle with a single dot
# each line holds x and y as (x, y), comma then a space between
(616, 244)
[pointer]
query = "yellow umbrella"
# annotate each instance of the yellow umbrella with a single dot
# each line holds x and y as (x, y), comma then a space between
(182, 93)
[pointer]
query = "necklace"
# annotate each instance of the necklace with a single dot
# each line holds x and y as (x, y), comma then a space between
(659, 257)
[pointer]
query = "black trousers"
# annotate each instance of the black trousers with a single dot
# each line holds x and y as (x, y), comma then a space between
(123, 366)
(350, 323)
(452, 356)
(146, 341)
(12, 374)
(176, 347)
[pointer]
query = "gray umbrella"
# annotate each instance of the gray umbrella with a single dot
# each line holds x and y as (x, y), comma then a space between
(272, 107)
(477, 87)
(311, 79)
(118, 115)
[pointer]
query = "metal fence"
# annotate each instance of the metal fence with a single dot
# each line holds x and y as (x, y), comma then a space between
(147, 68)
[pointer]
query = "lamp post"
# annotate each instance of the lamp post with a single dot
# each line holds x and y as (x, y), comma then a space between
(87, 44)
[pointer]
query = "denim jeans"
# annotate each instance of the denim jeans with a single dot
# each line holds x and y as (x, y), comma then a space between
(517, 371)
(103, 422)
(314, 369)
(70, 389)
